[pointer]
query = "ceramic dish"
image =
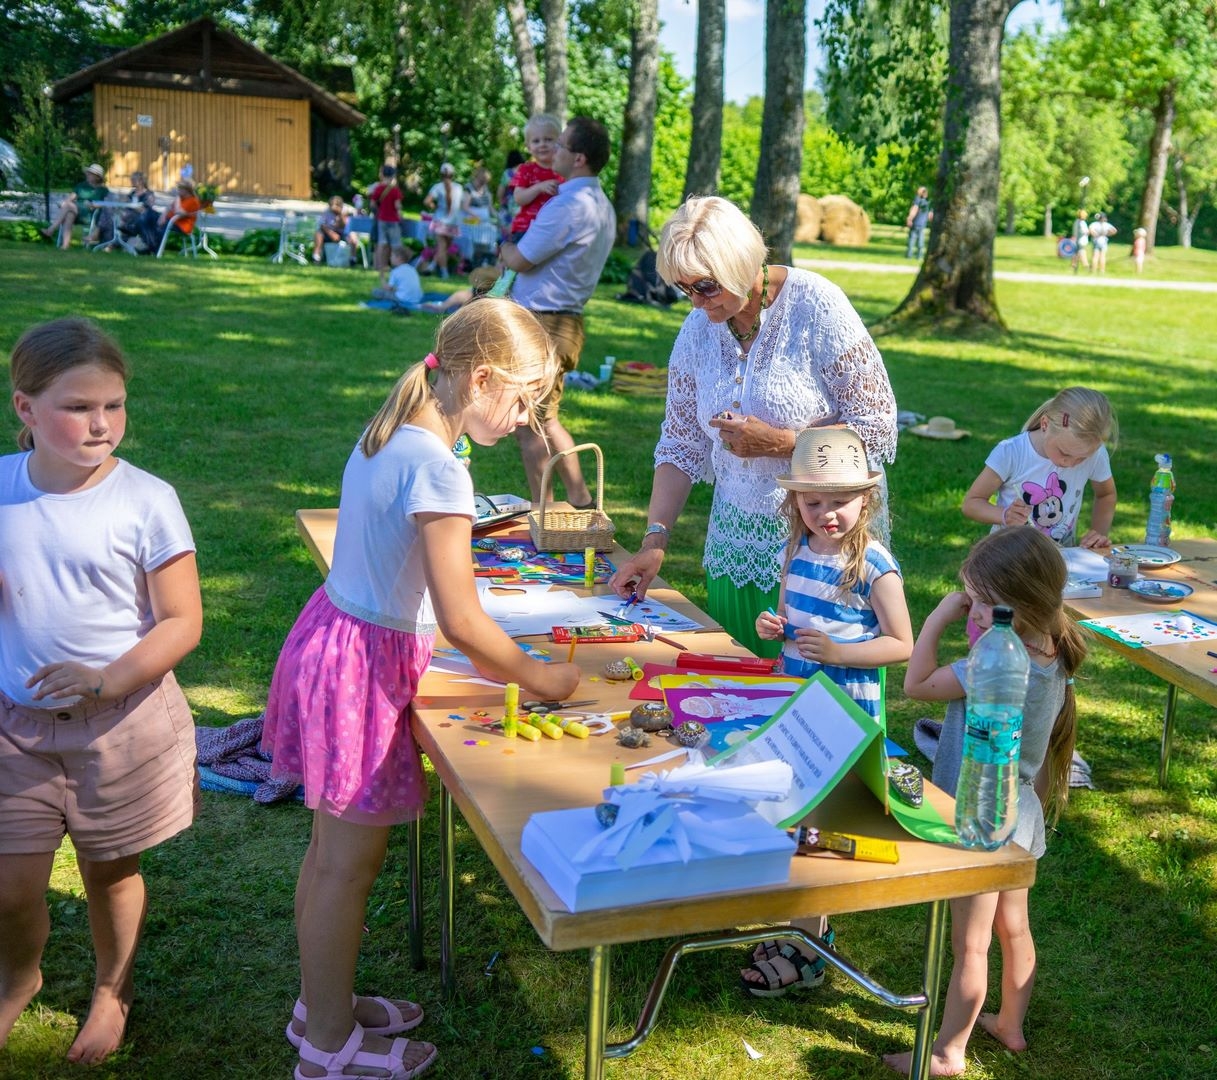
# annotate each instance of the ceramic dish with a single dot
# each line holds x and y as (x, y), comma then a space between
(1150, 556)
(1161, 592)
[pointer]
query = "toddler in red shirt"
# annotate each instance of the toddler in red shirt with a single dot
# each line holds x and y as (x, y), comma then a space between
(535, 183)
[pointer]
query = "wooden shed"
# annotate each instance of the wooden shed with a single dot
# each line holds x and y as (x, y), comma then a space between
(200, 96)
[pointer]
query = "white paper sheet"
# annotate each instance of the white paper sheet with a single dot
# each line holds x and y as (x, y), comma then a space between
(1085, 564)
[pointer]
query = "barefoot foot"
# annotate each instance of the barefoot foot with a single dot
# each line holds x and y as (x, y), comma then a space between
(102, 1032)
(939, 1066)
(13, 1003)
(990, 1023)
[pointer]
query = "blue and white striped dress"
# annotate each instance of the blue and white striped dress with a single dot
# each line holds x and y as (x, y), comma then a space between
(814, 598)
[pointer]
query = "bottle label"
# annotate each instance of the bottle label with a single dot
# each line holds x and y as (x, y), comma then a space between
(992, 742)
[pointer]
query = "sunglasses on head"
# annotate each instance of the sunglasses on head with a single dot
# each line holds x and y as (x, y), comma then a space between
(707, 288)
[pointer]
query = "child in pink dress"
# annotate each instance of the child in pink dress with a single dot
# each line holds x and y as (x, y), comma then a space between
(1138, 249)
(338, 710)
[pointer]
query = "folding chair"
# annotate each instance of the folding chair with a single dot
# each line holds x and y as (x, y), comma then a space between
(360, 228)
(188, 240)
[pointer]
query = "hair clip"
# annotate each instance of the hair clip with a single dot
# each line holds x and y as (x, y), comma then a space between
(1064, 419)
(431, 360)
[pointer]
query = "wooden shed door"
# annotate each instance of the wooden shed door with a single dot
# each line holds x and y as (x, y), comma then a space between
(271, 143)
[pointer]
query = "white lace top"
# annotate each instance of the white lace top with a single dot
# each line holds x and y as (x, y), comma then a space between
(812, 363)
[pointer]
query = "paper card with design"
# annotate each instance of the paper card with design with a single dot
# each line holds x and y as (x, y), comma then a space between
(822, 734)
(1154, 628)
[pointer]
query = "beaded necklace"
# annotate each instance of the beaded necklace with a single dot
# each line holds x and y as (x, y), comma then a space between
(741, 337)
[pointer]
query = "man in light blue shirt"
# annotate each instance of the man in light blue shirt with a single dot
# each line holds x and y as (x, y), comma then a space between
(558, 263)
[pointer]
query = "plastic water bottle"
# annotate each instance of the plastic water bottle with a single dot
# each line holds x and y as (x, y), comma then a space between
(1161, 498)
(986, 798)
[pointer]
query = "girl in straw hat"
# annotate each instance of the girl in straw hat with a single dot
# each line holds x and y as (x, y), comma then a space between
(841, 610)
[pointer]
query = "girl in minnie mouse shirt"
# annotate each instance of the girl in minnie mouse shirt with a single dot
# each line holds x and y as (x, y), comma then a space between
(1039, 475)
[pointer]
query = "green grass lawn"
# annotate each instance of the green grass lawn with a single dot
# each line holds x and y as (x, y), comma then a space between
(251, 383)
(1031, 254)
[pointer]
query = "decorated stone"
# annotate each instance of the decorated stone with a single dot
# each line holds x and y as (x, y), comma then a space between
(905, 782)
(617, 671)
(511, 554)
(606, 814)
(633, 738)
(693, 734)
(485, 543)
(651, 716)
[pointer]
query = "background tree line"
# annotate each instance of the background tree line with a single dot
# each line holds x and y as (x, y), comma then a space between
(1123, 95)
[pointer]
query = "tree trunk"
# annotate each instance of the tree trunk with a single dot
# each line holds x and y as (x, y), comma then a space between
(554, 14)
(1155, 174)
(526, 57)
(1048, 220)
(776, 194)
(1011, 213)
(1185, 222)
(706, 138)
(956, 279)
(638, 132)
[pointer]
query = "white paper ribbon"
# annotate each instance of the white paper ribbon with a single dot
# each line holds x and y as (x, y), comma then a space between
(669, 806)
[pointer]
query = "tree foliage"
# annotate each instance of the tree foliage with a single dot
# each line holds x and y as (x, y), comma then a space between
(883, 80)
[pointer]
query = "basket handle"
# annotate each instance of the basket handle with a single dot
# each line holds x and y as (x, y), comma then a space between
(549, 468)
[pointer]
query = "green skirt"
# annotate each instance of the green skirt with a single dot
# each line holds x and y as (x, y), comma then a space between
(736, 608)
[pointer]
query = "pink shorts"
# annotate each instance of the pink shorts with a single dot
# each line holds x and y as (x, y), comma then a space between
(118, 778)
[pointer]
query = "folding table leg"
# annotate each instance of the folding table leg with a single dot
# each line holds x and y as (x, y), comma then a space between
(414, 859)
(597, 1012)
(1168, 732)
(447, 890)
(935, 937)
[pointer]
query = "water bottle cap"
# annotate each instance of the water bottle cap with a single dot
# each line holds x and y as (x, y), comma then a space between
(1002, 615)
(1163, 460)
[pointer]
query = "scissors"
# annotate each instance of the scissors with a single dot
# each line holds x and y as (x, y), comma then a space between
(553, 706)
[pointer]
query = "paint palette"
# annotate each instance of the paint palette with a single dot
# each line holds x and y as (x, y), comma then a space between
(1160, 592)
(1150, 556)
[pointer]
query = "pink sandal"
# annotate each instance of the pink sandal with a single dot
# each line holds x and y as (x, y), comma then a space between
(398, 1021)
(391, 1065)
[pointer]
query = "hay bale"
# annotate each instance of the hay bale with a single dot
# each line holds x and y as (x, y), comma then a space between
(807, 220)
(844, 222)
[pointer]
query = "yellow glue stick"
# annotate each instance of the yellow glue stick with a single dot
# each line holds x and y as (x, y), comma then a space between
(527, 731)
(589, 564)
(543, 724)
(636, 673)
(511, 706)
(569, 725)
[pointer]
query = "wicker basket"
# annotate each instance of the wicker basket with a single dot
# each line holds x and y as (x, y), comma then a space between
(572, 530)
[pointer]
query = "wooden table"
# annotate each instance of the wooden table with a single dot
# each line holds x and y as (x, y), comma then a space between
(499, 785)
(1186, 666)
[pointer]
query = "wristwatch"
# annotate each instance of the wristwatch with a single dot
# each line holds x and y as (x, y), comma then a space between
(656, 528)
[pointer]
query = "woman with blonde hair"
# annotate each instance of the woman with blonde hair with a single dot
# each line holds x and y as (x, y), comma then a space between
(767, 352)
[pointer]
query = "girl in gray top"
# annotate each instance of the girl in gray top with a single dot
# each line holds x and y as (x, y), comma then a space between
(1024, 570)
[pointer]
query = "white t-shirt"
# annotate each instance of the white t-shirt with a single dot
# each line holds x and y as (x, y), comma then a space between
(406, 285)
(376, 574)
(73, 568)
(1053, 493)
(445, 212)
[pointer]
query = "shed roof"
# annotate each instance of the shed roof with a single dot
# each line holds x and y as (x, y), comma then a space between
(207, 58)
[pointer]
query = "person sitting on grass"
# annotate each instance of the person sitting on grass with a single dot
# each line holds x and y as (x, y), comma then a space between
(481, 281)
(405, 287)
